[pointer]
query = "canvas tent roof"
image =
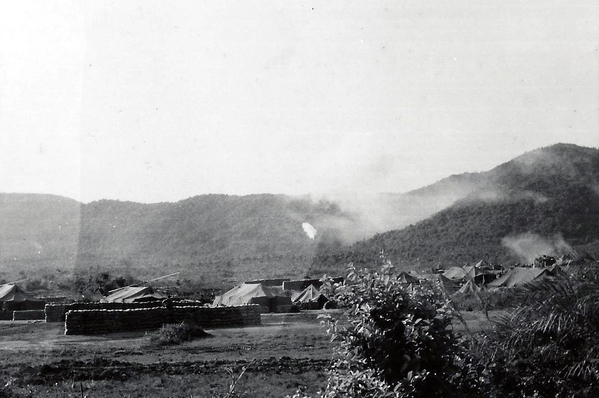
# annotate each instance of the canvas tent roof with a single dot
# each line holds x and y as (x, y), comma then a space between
(311, 293)
(13, 293)
(244, 293)
(469, 286)
(518, 276)
(448, 285)
(405, 277)
(455, 273)
(473, 271)
(133, 294)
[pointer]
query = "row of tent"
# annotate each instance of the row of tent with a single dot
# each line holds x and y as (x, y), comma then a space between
(12, 297)
(246, 293)
(274, 298)
(471, 278)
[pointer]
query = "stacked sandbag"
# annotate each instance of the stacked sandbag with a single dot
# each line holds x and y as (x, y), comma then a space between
(28, 315)
(112, 321)
(56, 312)
(219, 317)
(103, 321)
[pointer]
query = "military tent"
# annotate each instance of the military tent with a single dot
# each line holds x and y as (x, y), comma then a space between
(310, 298)
(448, 285)
(133, 294)
(478, 275)
(519, 276)
(300, 285)
(455, 273)
(254, 293)
(469, 286)
(13, 298)
(407, 278)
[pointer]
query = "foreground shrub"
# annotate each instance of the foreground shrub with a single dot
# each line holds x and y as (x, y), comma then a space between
(173, 334)
(485, 300)
(399, 342)
(549, 346)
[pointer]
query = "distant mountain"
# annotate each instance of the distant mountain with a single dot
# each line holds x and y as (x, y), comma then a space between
(213, 238)
(543, 202)
(36, 230)
(217, 239)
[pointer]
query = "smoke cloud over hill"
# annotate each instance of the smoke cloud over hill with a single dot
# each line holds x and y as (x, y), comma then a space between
(529, 246)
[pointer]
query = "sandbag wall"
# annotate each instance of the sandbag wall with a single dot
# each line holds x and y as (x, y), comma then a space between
(102, 321)
(28, 315)
(219, 317)
(112, 321)
(56, 312)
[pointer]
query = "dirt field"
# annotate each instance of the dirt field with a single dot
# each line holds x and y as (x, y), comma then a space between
(287, 352)
(282, 355)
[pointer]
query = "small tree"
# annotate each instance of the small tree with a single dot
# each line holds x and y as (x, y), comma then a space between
(399, 341)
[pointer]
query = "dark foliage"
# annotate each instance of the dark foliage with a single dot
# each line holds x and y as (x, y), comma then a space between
(174, 334)
(399, 342)
(548, 346)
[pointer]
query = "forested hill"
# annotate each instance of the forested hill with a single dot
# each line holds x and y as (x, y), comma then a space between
(547, 194)
(543, 202)
(210, 237)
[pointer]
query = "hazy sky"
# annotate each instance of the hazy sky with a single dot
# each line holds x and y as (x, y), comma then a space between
(161, 100)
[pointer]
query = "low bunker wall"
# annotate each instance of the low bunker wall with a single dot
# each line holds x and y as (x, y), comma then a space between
(28, 315)
(56, 312)
(102, 321)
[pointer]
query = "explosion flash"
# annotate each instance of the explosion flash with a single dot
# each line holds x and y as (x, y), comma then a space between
(309, 230)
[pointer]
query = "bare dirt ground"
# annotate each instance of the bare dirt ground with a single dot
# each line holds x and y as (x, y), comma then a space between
(284, 354)
(289, 351)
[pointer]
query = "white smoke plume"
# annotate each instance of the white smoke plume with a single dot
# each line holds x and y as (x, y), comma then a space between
(529, 246)
(309, 230)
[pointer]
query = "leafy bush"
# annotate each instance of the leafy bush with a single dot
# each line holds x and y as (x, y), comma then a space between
(467, 301)
(399, 342)
(486, 300)
(548, 346)
(35, 284)
(174, 334)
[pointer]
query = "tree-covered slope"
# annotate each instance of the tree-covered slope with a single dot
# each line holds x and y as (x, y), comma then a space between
(222, 236)
(545, 194)
(542, 201)
(210, 237)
